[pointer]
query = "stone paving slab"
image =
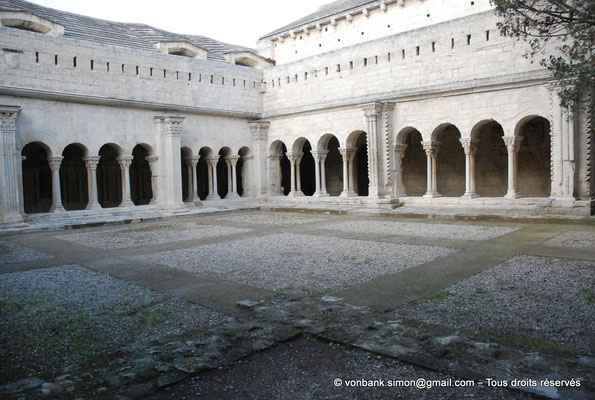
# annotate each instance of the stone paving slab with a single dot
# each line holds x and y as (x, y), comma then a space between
(15, 253)
(574, 239)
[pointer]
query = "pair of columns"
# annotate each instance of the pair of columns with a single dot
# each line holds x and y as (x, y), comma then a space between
(348, 155)
(232, 190)
(190, 164)
(470, 147)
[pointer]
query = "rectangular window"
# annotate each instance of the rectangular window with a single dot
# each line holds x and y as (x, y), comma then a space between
(433, 47)
(92, 65)
(56, 59)
(452, 43)
(189, 76)
(36, 56)
(365, 62)
(388, 57)
(74, 62)
(468, 40)
(137, 69)
(403, 53)
(123, 68)
(487, 36)
(107, 66)
(338, 67)
(417, 50)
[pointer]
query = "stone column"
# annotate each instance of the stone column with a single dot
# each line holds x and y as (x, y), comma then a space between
(260, 135)
(214, 195)
(154, 173)
(351, 155)
(193, 163)
(317, 156)
(431, 149)
(247, 177)
(125, 162)
(513, 144)
(11, 176)
(275, 175)
(345, 156)
(55, 162)
(91, 163)
(170, 184)
(372, 112)
(323, 155)
(292, 160)
(298, 174)
(399, 189)
(470, 147)
(232, 163)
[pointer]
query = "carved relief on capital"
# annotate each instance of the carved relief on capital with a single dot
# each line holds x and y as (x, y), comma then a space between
(431, 148)
(400, 148)
(172, 126)
(371, 110)
(91, 161)
(293, 157)
(55, 162)
(125, 161)
(260, 129)
(469, 145)
(8, 120)
(232, 159)
(213, 160)
(513, 143)
(319, 155)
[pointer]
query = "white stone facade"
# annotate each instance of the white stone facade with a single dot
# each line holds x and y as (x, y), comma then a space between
(386, 103)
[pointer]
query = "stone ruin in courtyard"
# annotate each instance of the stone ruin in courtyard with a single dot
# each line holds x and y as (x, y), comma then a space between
(381, 103)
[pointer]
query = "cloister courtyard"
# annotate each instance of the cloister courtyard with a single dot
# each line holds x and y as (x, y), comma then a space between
(271, 304)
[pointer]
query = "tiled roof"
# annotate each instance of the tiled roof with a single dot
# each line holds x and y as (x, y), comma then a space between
(326, 11)
(137, 36)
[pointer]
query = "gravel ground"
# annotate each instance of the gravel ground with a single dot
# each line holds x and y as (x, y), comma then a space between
(13, 253)
(434, 230)
(540, 301)
(306, 369)
(56, 317)
(144, 235)
(281, 219)
(295, 262)
(574, 239)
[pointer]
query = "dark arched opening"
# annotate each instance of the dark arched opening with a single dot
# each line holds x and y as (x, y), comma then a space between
(450, 163)
(414, 170)
(140, 177)
(491, 160)
(333, 166)
(362, 181)
(73, 178)
(109, 177)
(307, 171)
(37, 179)
(534, 169)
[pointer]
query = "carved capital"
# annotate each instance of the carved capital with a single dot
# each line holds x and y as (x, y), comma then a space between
(125, 161)
(431, 148)
(213, 160)
(172, 126)
(469, 145)
(232, 159)
(293, 157)
(400, 148)
(371, 111)
(8, 118)
(55, 162)
(259, 129)
(152, 159)
(513, 143)
(91, 161)
(319, 155)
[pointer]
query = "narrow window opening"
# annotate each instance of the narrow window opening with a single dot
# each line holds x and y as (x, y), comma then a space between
(365, 62)
(107, 66)
(296, 52)
(296, 77)
(319, 44)
(212, 78)
(123, 70)
(137, 70)
(222, 80)
(37, 57)
(244, 83)
(388, 57)
(165, 73)
(74, 62)
(388, 26)
(56, 59)
(305, 76)
(151, 71)
(428, 15)
(452, 43)
(233, 82)
(338, 67)
(92, 65)
(177, 74)
(468, 40)
(338, 40)
(325, 29)
(417, 50)
(326, 70)
(273, 82)
(362, 33)
(254, 85)
(472, 3)
(279, 81)
(433, 47)
(403, 53)
(315, 73)
(189, 76)
(300, 38)
(199, 78)
(350, 64)
(375, 59)
(487, 36)
(288, 80)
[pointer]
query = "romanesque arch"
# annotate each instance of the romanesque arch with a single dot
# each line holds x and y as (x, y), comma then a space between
(223, 172)
(37, 178)
(332, 174)
(533, 159)
(141, 189)
(305, 178)
(74, 178)
(414, 170)
(185, 157)
(279, 169)
(356, 153)
(450, 161)
(109, 176)
(490, 159)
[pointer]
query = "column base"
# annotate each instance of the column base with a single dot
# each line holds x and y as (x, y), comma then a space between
(320, 194)
(431, 195)
(57, 209)
(213, 197)
(345, 194)
(126, 204)
(189, 203)
(470, 196)
(198, 203)
(512, 195)
(232, 195)
(93, 205)
(296, 193)
(12, 218)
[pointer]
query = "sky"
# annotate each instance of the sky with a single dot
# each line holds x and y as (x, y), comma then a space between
(239, 22)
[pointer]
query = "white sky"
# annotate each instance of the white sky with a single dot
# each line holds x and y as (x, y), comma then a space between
(239, 22)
